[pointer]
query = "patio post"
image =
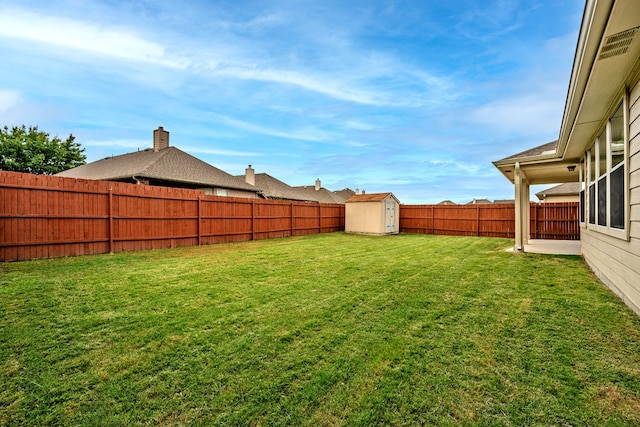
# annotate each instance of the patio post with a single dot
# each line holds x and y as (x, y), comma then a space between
(522, 191)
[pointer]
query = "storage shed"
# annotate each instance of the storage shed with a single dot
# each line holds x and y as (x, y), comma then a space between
(376, 214)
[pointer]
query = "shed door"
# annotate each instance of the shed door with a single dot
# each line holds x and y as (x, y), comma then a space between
(390, 216)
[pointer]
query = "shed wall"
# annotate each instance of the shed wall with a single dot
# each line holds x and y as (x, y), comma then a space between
(365, 218)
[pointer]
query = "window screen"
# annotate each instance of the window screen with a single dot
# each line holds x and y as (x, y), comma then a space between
(592, 204)
(616, 179)
(602, 201)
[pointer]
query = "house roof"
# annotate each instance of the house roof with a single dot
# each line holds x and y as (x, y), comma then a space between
(373, 197)
(479, 202)
(545, 149)
(274, 188)
(322, 194)
(566, 189)
(344, 194)
(167, 164)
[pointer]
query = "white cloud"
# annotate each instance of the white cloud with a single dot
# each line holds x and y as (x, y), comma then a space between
(311, 134)
(530, 114)
(375, 79)
(9, 100)
(93, 38)
(125, 143)
(327, 85)
(220, 152)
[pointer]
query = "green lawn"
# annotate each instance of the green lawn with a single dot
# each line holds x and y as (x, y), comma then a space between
(330, 329)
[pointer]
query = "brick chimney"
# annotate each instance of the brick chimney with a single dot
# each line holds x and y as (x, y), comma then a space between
(318, 184)
(250, 176)
(160, 139)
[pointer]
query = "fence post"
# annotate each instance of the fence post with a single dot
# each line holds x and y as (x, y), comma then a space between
(292, 226)
(319, 218)
(535, 221)
(199, 221)
(433, 220)
(110, 219)
(477, 220)
(253, 219)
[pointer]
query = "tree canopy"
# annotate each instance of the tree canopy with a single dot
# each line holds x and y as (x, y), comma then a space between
(30, 150)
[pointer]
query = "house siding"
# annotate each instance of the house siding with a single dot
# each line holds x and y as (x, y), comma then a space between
(241, 193)
(615, 261)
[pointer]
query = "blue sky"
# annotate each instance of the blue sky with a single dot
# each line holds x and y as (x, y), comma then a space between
(413, 97)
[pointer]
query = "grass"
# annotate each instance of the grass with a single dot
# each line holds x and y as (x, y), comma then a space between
(328, 330)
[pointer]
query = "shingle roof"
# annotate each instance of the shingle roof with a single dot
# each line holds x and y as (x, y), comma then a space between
(566, 189)
(373, 197)
(548, 148)
(344, 194)
(168, 164)
(274, 188)
(322, 195)
(479, 202)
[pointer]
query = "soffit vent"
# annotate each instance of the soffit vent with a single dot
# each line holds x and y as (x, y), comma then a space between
(617, 44)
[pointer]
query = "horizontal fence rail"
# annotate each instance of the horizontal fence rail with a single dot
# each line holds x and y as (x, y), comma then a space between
(48, 216)
(558, 221)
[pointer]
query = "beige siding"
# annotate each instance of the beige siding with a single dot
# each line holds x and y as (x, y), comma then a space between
(616, 261)
(364, 218)
(371, 217)
(241, 193)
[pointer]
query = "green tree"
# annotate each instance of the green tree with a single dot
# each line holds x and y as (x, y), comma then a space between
(30, 150)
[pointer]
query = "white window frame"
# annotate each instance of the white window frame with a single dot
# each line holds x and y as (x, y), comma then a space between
(620, 233)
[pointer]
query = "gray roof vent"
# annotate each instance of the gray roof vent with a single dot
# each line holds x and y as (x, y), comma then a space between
(617, 44)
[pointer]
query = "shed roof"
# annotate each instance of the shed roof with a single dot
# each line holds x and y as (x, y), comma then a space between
(168, 164)
(373, 197)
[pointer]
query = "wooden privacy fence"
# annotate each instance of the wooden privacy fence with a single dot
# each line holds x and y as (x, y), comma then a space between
(559, 221)
(46, 217)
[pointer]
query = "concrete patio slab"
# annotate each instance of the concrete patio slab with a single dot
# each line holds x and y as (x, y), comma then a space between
(552, 247)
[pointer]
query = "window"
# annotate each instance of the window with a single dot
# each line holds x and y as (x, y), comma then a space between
(222, 192)
(583, 206)
(591, 158)
(616, 176)
(605, 175)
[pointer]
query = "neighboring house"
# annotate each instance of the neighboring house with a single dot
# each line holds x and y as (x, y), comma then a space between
(322, 194)
(374, 214)
(164, 165)
(503, 201)
(567, 192)
(345, 193)
(272, 188)
(598, 146)
(447, 202)
(479, 202)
